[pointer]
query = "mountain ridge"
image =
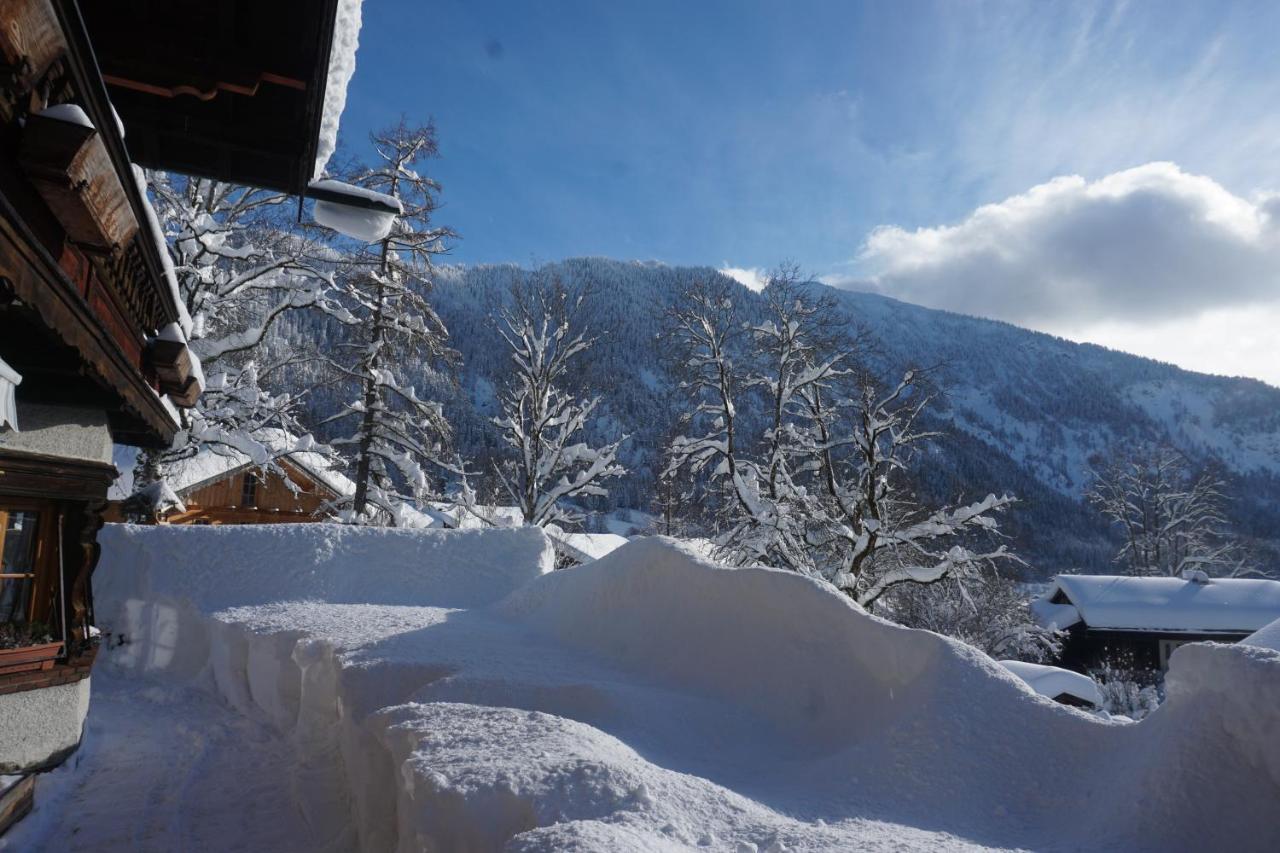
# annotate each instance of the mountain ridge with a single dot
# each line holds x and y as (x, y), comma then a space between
(1025, 411)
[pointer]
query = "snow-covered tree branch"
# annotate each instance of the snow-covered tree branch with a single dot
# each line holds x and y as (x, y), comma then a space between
(542, 422)
(1173, 520)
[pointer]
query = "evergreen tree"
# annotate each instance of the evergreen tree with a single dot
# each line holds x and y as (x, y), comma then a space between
(399, 440)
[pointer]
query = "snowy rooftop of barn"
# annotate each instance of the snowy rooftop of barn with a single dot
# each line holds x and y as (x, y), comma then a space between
(1108, 602)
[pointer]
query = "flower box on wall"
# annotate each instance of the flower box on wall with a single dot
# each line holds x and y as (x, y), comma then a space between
(29, 658)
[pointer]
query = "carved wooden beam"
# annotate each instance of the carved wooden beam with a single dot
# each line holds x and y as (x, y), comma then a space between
(69, 166)
(30, 38)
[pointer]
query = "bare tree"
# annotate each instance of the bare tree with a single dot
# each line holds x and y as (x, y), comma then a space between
(705, 334)
(827, 492)
(877, 534)
(803, 347)
(1172, 518)
(542, 420)
(399, 437)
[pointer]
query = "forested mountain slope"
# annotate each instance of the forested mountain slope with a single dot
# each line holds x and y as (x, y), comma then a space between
(1024, 412)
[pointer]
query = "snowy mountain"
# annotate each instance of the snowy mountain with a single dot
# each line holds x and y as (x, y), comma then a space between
(1024, 411)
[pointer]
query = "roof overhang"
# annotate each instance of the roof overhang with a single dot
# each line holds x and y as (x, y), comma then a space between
(233, 90)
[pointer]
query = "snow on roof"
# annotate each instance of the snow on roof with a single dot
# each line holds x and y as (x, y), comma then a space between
(1054, 681)
(156, 233)
(70, 113)
(342, 64)
(212, 463)
(1160, 604)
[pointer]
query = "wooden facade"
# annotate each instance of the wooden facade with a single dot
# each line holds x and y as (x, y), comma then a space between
(88, 310)
(81, 289)
(1086, 649)
(251, 496)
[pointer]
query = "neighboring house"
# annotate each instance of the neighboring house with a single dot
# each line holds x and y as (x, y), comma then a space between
(224, 486)
(1137, 622)
(1060, 685)
(92, 327)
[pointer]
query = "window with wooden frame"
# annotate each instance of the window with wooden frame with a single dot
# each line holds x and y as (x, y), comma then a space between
(28, 562)
(249, 490)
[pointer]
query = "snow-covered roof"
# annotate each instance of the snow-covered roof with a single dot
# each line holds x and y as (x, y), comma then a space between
(1159, 604)
(342, 64)
(1054, 681)
(212, 463)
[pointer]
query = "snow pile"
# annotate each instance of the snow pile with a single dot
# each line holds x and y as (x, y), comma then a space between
(652, 700)
(214, 567)
(584, 547)
(367, 222)
(1054, 681)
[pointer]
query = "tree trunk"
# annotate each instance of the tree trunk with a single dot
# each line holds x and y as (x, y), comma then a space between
(368, 423)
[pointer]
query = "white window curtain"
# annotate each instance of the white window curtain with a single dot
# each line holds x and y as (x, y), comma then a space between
(10, 379)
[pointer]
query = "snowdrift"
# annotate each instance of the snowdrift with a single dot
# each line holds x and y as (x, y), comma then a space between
(216, 567)
(454, 695)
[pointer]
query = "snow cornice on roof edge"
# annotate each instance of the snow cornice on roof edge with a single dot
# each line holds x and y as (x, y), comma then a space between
(342, 65)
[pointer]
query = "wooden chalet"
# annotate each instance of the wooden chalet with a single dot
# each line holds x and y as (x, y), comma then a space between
(1135, 623)
(92, 332)
(225, 487)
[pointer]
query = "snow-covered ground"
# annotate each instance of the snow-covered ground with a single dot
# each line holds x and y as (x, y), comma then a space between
(646, 701)
(167, 767)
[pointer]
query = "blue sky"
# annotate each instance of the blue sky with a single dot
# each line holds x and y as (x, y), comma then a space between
(741, 134)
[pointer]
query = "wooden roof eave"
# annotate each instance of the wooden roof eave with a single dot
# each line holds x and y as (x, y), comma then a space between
(97, 104)
(41, 284)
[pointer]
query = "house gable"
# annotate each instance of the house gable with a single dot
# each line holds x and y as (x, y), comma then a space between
(250, 495)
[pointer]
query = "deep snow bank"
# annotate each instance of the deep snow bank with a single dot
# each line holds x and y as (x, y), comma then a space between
(946, 735)
(652, 700)
(216, 567)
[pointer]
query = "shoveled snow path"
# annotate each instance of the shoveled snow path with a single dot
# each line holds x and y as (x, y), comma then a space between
(166, 768)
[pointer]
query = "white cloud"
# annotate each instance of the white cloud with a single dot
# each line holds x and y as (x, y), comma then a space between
(1152, 260)
(1147, 243)
(753, 278)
